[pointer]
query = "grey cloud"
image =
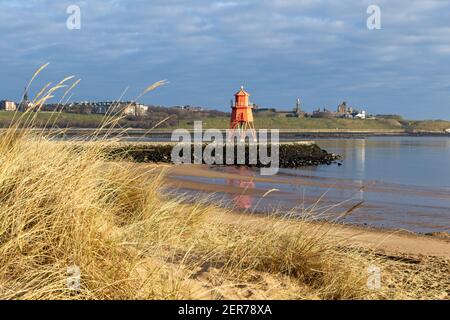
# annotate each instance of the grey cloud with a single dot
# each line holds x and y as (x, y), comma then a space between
(320, 50)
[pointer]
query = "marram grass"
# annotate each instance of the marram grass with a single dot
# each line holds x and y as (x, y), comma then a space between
(63, 208)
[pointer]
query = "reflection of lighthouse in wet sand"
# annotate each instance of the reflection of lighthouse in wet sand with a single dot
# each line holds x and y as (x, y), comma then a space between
(360, 164)
(241, 123)
(242, 201)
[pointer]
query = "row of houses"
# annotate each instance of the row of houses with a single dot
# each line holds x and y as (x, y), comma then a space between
(89, 107)
(104, 107)
(189, 108)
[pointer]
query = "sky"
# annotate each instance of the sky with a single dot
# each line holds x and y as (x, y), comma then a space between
(319, 51)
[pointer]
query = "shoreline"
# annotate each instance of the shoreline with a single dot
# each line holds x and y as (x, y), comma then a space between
(241, 189)
(412, 265)
(390, 242)
(393, 241)
(310, 133)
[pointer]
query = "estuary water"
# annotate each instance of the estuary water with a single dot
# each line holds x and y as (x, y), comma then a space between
(396, 182)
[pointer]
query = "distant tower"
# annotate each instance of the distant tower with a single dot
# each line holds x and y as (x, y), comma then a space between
(242, 116)
(342, 108)
(297, 108)
(25, 103)
(25, 96)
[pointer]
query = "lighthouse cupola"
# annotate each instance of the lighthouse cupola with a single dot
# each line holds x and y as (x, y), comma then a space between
(241, 98)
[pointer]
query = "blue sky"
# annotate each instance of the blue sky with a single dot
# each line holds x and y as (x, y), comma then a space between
(320, 51)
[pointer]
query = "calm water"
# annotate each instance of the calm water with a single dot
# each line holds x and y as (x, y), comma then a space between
(420, 161)
(398, 182)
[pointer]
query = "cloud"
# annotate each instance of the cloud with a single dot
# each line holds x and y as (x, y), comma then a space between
(281, 49)
(224, 4)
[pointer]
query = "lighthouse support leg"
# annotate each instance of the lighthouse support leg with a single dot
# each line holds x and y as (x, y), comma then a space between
(241, 129)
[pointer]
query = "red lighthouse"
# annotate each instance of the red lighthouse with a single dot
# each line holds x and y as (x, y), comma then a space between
(242, 116)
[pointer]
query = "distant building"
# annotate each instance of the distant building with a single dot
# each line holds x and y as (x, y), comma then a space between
(25, 104)
(344, 111)
(325, 113)
(298, 110)
(264, 111)
(52, 107)
(190, 108)
(274, 112)
(8, 105)
(101, 107)
(134, 109)
(360, 115)
(107, 107)
(342, 108)
(79, 107)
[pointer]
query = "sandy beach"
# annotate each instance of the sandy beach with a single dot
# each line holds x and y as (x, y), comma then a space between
(412, 266)
(397, 241)
(416, 264)
(391, 241)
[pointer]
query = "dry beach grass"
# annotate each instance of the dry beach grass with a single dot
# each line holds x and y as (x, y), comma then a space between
(64, 208)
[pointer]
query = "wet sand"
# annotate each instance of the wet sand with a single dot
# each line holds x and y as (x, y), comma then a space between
(390, 241)
(393, 243)
(380, 204)
(414, 266)
(208, 172)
